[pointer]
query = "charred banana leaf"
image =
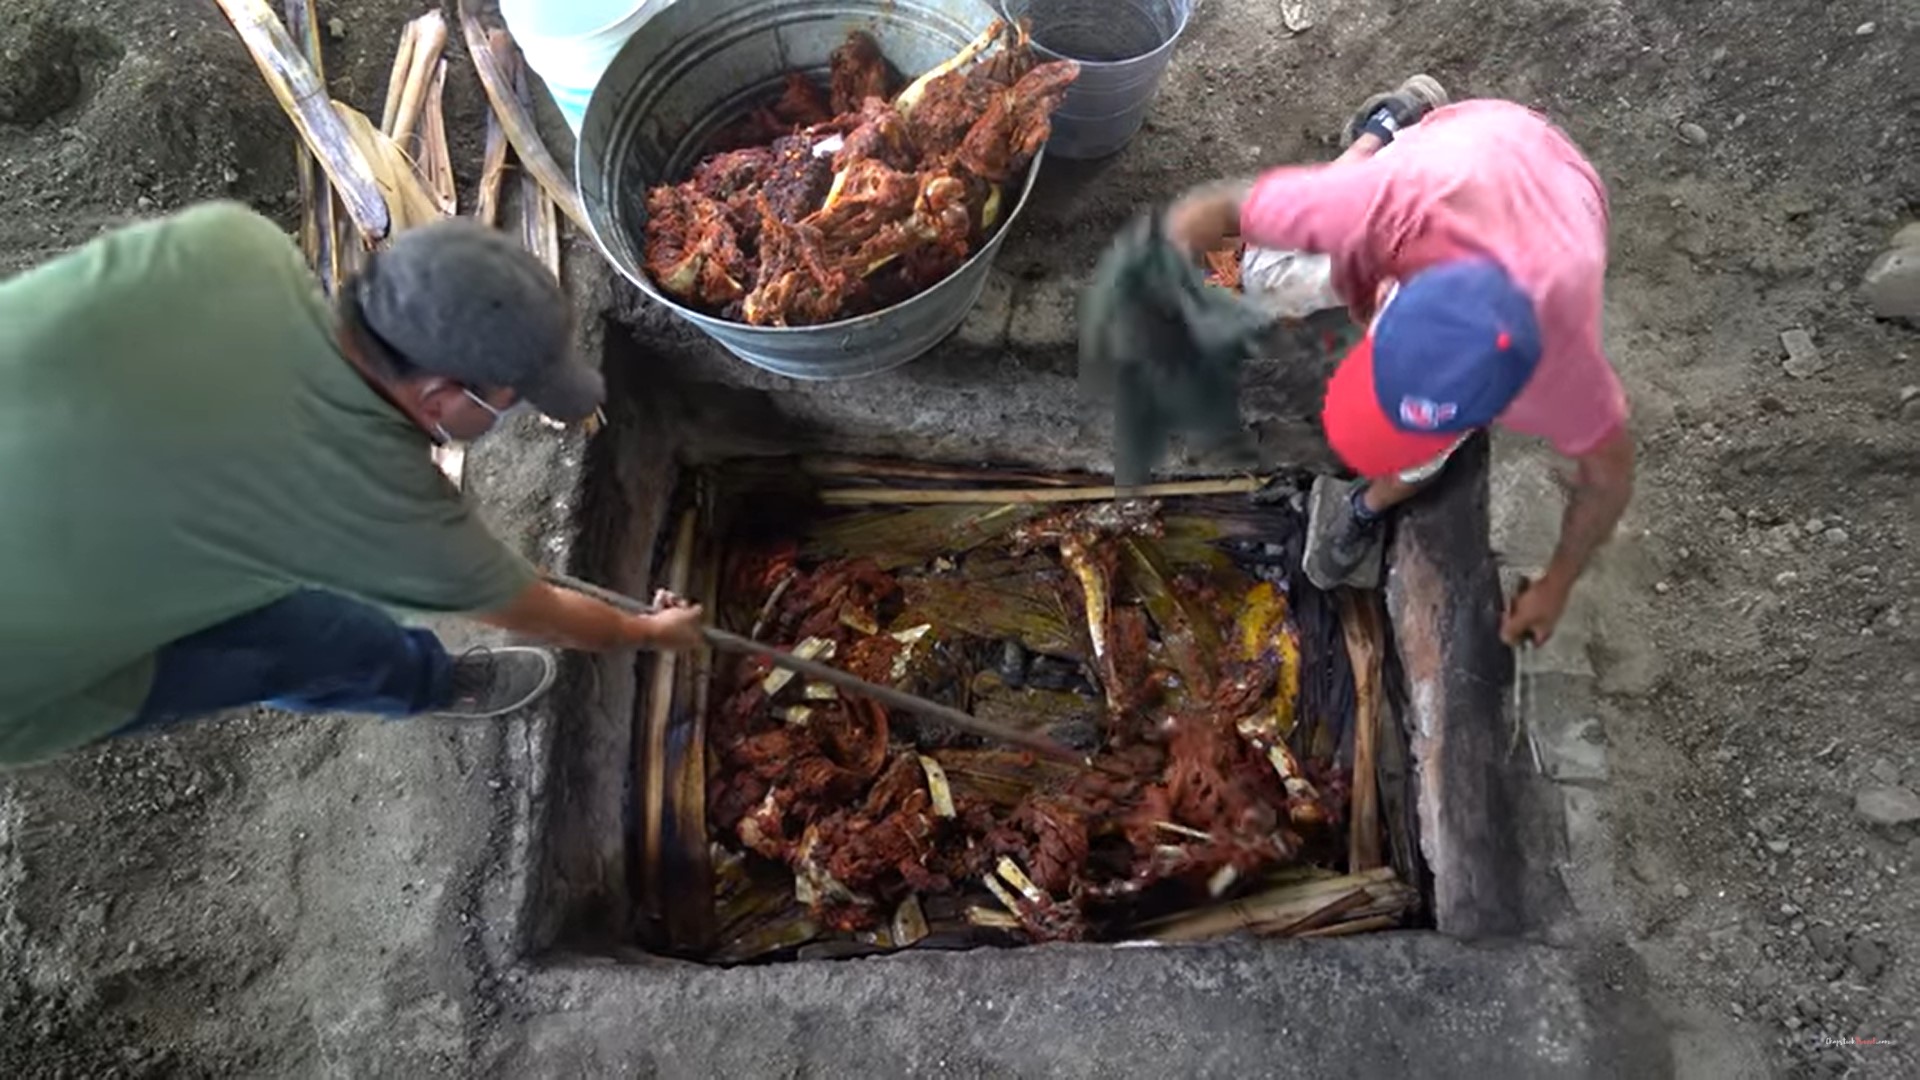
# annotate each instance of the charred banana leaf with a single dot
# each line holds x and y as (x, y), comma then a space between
(1191, 638)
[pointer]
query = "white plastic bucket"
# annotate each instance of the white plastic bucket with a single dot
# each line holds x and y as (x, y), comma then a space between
(569, 43)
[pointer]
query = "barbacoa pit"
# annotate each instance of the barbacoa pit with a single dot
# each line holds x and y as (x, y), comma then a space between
(1171, 639)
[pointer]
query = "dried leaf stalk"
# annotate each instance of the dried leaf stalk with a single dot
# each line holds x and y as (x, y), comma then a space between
(435, 163)
(316, 195)
(397, 78)
(304, 99)
(429, 40)
(487, 48)
(493, 173)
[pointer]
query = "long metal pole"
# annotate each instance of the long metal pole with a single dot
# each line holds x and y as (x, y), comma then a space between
(731, 642)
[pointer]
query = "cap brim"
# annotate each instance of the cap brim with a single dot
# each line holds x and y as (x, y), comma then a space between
(1360, 431)
(567, 392)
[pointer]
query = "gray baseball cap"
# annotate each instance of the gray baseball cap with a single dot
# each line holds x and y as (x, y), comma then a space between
(463, 301)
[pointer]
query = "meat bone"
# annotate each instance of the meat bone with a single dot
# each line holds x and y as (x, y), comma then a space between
(727, 641)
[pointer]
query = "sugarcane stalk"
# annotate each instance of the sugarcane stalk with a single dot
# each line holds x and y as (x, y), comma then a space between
(1357, 926)
(435, 163)
(1360, 625)
(487, 48)
(408, 203)
(345, 256)
(397, 78)
(930, 497)
(878, 467)
(429, 40)
(304, 99)
(539, 225)
(886, 695)
(1322, 916)
(493, 173)
(1283, 905)
(316, 195)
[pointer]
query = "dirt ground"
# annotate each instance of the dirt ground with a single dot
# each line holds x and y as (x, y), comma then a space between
(1751, 637)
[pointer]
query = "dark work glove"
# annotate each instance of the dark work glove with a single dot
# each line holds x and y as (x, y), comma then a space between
(1385, 116)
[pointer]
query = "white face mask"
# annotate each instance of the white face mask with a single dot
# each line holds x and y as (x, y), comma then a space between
(497, 414)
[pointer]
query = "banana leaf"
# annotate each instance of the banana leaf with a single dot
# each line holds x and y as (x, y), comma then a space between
(789, 928)
(1186, 628)
(1061, 715)
(1191, 542)
(1028, 607)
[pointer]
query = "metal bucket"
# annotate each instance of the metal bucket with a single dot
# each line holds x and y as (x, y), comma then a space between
(1123, 47)
(693, 68)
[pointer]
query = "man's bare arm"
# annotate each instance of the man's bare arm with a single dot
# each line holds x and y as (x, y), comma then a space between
(1602, 487)
(1600, 493)
(1203, 218)
(570, 620)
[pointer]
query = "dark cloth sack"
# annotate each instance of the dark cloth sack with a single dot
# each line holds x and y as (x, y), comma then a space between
(1164, 347)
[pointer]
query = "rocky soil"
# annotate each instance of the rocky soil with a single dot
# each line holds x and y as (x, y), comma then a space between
(1754, 633)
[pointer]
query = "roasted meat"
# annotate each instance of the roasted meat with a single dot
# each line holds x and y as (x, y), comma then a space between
(1016, 123)
(879, 198)
(879, 133)
(795, 286)
(733, 179)
(945, 112)
(858, 72)
(692, 248)
(799, 178)
(1003, 67)
(802, 104)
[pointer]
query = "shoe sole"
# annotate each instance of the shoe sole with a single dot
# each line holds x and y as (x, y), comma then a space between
(1427, 89)
(549, 671)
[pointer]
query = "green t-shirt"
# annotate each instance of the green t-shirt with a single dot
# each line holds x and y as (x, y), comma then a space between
(181, 442)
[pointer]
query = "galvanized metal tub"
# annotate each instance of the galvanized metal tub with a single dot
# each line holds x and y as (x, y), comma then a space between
(1123, 47)
(696, 66)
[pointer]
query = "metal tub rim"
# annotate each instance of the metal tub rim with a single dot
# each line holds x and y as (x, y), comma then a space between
(1179, 31)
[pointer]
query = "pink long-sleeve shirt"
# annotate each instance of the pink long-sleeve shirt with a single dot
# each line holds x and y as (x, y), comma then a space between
(1481, 178)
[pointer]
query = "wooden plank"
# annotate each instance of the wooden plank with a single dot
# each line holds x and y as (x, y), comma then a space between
(1361, 626)
(651, 781)
(932, 496)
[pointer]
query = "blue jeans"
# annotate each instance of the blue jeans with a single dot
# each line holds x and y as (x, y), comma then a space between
(312, 652)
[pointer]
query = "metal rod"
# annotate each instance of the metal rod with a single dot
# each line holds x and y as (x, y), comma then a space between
(886, 695)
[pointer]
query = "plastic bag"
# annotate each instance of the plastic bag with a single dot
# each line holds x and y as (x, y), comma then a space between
(1288, 284)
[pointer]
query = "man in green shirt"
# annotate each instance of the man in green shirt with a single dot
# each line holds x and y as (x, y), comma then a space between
(211, 482)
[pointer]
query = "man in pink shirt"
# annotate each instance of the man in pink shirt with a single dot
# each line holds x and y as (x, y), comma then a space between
(1475, 252)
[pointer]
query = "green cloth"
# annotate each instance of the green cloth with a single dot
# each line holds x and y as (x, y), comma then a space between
(1165, 347)
(181, 441)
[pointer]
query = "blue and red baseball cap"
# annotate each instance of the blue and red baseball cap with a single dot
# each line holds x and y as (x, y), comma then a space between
(1447, 354)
